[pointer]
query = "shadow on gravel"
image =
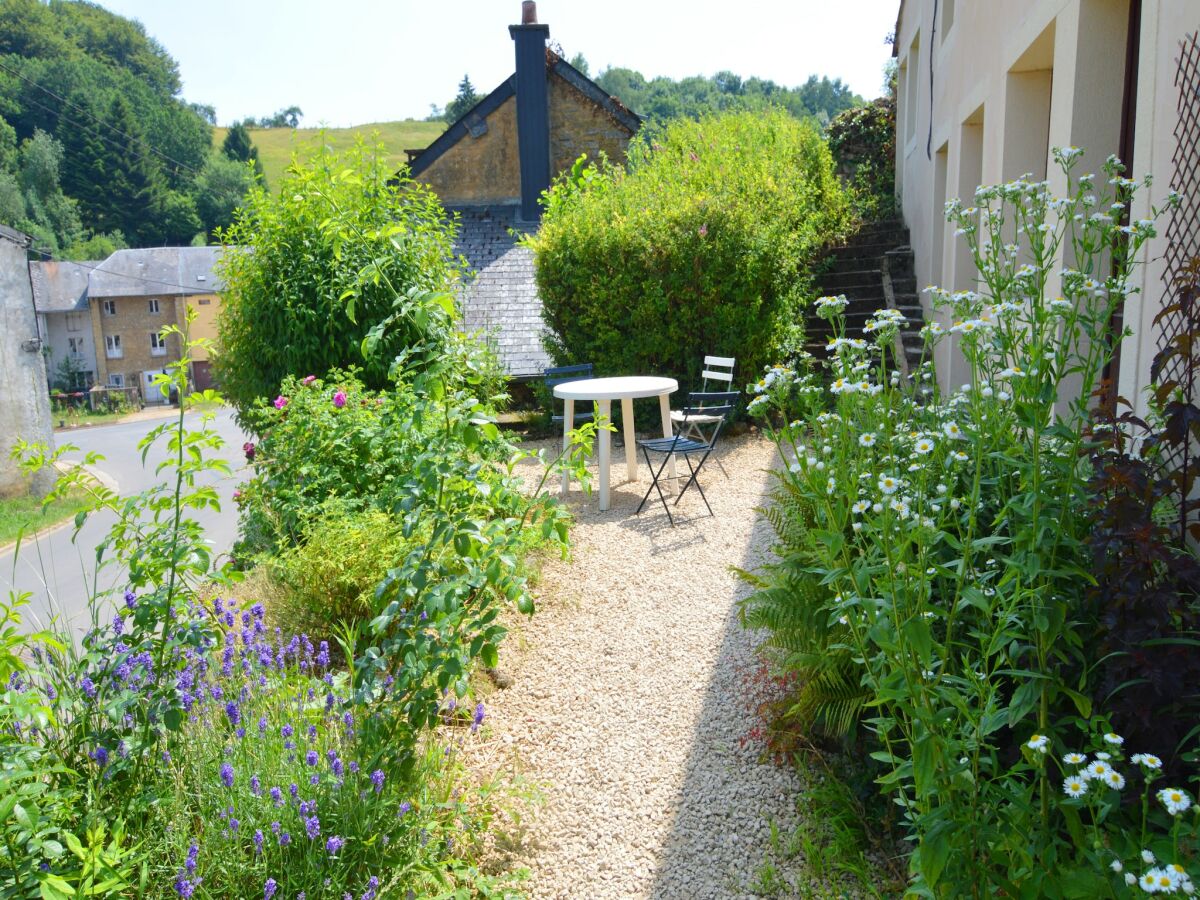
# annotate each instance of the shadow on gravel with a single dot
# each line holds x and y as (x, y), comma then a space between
(719, 831)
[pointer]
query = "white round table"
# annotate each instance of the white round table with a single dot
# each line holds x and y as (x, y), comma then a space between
(603, 391)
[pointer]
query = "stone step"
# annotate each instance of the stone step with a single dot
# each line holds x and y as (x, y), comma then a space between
(836, 282)
(872, 250)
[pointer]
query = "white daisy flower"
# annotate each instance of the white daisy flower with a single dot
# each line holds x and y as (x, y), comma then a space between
(1038, 742)
(952, 430)
(867, 439)
(860, 507)
(1116, 866)
(959, 456)
(1149, 760)
(1075, 787)
(1115, 739)
(1175, 800)
(1147, 857)
(857, 526)
(923, 446)
(888, 484)
(1114, 779)
(1102, 755)
(1097, 770)
(1075, 759)
(876, 507)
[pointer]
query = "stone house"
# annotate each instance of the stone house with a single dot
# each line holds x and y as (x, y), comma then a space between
(60, 295)
(490, 167)
(133, 295)
(986, 90)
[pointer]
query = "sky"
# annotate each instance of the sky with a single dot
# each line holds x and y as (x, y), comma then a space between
(352, 62)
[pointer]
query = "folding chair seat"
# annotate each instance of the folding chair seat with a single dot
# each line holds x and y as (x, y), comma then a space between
(717, 375)
(560, 375)
(716, 409)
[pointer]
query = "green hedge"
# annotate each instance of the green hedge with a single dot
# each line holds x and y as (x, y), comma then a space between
(701, 244)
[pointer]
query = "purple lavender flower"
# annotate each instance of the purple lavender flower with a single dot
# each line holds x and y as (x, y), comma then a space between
(285, 839)
(166, 757)
(377, 778)
(123, 671)
(311, 757)
(294, 790)
(183, 887)
(233, 824)
(262, 725)
(312, 827)
(240, 731)
(130, 600)
(190, 862)
(334, 844)
(286, 731)
(88, 687)
(118, 625)
(234, 712)
(372, 887)
(100, 755)
(269, 889)
(255, 786)
(312, 729)
(323, 655)
(258, 841)
(337, 768)
(227, 774)
(477, 719)
(404, 808)
(277, 796)
(314, 779)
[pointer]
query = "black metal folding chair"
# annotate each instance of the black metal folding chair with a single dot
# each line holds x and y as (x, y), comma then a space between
(560, 375)
(713, 406)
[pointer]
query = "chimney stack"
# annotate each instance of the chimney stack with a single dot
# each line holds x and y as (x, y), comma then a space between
(533, 108)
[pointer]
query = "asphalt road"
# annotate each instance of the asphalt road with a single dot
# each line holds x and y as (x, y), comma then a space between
(60, 568)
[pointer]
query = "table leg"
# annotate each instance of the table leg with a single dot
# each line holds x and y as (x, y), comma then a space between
(664, 405)
(605, 444)
(630, 439)
(568, 424)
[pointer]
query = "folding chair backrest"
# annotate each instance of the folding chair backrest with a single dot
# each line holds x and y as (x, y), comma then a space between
(708, 404)
(718, 372)
(563, 374)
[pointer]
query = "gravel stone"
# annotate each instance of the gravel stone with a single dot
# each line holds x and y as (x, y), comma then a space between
(630, 702)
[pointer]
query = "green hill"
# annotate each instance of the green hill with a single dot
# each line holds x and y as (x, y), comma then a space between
(276, 145)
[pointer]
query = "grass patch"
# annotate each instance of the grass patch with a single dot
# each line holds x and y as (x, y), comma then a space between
(25, 513)
(276, 145)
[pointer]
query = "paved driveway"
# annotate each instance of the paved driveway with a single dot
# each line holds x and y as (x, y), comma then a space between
(60, 568)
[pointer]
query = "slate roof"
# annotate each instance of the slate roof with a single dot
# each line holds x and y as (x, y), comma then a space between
(60, 286)
(156, 271)
(501, 298)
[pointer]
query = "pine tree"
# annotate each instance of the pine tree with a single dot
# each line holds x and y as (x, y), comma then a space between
(238, 146)
(465, 99)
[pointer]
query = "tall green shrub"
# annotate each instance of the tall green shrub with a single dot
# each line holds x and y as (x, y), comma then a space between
(700, 244)
(320, 264)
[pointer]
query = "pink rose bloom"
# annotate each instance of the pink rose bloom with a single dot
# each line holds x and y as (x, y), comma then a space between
(339, 399)
(309, 379)
(237, 495)
(281, 402)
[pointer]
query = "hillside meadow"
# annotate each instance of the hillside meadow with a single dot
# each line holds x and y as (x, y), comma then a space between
(276, 145)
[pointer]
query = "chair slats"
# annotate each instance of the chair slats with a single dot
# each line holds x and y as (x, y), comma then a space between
(727, 361)
(710, 375)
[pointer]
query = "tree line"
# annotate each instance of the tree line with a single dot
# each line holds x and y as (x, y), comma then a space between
(98, 149)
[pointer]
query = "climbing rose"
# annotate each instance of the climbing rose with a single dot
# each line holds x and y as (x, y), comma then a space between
(281, 401)
(339, 399)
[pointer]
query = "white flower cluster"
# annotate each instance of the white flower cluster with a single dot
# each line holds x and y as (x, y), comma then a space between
(830, 307)
(1169, 879)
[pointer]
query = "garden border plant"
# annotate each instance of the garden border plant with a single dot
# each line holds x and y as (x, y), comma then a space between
(949, 562)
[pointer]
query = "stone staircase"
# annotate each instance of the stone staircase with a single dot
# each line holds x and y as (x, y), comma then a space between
(874, 269)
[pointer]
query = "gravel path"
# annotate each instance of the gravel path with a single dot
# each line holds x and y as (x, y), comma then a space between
(630, 699)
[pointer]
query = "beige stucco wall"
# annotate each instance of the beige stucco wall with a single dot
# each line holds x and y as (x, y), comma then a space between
(1010, 81)
(135, 323)
(207, 307)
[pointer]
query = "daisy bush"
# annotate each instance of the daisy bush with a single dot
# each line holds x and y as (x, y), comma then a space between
(942, 564)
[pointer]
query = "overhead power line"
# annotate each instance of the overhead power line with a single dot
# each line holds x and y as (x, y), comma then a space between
(129, 139)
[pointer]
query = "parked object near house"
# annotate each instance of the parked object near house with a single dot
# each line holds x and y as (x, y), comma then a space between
(133, 295)
(24, 398)
(986, 91)
(491, 166)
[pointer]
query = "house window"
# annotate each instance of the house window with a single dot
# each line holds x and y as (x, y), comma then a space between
(158, 344)
(73, 321)
(112, 346)
(75, 346)
(154, 306)
(110, 307)
(204, 301)
(80, 381)
(116, 380)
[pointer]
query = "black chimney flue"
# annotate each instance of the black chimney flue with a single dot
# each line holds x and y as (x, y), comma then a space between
(533, 108)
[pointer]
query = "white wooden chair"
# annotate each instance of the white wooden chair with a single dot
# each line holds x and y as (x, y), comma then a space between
(716, 376)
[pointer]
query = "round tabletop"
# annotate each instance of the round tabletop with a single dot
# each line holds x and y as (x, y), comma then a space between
(624, 388)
